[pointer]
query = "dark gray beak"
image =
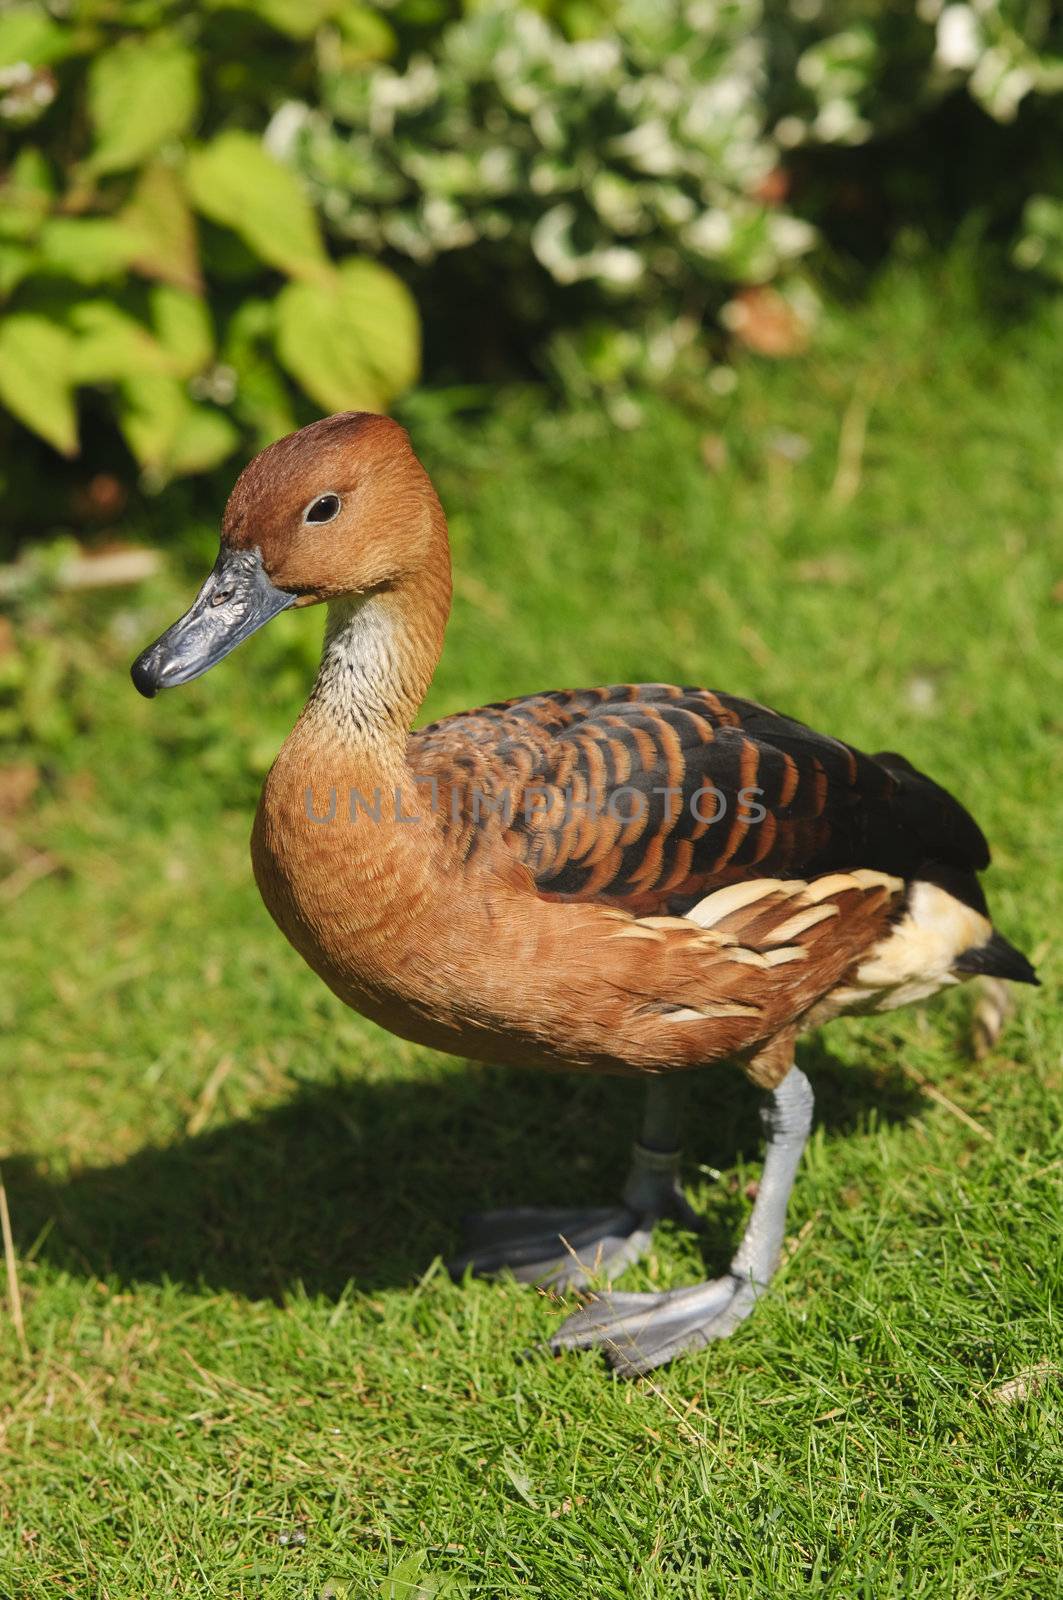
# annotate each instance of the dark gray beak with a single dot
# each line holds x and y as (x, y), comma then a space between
(236, 600)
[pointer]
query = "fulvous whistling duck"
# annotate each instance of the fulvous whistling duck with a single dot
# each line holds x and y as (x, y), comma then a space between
(636, 879)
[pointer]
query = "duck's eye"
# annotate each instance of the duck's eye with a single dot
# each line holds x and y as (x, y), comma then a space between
(323, 509)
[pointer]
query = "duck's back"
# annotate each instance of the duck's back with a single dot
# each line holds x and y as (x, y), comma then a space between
(647, 796)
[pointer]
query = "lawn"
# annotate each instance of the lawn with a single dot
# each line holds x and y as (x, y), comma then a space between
(246, 1371)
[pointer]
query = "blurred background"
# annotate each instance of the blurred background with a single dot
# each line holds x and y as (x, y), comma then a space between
(221, 220)
(554, 225)
(731, 332)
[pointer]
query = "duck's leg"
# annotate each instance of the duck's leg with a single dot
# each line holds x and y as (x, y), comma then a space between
(566, 1246)
(641, 1331)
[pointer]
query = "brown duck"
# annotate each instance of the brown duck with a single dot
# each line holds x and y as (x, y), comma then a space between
(636, 879)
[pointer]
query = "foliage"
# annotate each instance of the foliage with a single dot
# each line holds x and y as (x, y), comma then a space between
(845, 71)
(153, 249)
(597, 179)
(630, 163)
(646, 163)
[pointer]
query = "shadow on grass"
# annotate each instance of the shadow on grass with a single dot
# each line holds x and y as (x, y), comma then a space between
(368, 1181)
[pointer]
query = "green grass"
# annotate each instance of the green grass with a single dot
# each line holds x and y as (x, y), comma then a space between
(230, 1195)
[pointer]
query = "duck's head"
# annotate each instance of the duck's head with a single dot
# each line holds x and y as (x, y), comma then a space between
(343, 507)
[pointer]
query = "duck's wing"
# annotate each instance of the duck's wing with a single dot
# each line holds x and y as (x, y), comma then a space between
(645, 797)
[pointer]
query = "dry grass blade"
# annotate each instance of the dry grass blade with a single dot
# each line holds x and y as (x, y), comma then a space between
(207, 1096)
(108, 570)
(993, 1005)
(38, 865)
(940, 1098)
(852, 436)
(14, 1293)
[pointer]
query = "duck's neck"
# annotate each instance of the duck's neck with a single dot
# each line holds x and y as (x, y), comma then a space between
(379, 655)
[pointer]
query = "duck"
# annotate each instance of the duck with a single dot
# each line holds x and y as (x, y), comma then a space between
(639, 879)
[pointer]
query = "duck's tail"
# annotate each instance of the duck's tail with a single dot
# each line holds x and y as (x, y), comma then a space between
(997, 958)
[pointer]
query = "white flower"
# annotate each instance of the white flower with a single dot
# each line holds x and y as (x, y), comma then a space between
(790, 235)
(284, 128)
(790, 132)
(959, 40)
(650, 148)
(1001, 83)
(711, 233)
(617, 266)
(592, 58)
(497, 169)
(673, 205)
(394, 92)
(446, 226)
(552, 245)
(838, 123)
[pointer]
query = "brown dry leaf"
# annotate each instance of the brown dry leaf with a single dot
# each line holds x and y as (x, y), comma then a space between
(714, 451)
(480, 595)
(101, 499)
(1024, 1385)
(1057, 592)
(765, 322)
(774, 188)
(18, 785)
(80, 788)
(832, 571)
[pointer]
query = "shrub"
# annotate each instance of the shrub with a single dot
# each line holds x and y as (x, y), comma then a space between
(633, 162)
(151, 247)
(641, 171)
(609, 170)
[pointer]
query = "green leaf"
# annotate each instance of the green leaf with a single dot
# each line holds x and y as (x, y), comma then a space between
(204, 438)
(167, 432)
(16, 260)
(150, 412)
(36, 380)
(514, 1469)
(31, 171)
(411, 1580)
(159, 215)
(367, 36)
(235, 181)
(184, 328)
(28, 34)
(87, 249)
(110, 344)
(371, 37)
(300, 19)
(263, 399)
(27, 195)
(142, 93)
(352, 343)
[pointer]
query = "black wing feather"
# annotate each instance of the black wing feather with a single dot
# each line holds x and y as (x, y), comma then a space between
(820, 805)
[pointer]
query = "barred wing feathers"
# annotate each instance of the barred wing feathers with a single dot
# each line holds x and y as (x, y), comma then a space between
(645, 797)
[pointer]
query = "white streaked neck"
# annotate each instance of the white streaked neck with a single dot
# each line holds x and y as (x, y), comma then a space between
(368, 685)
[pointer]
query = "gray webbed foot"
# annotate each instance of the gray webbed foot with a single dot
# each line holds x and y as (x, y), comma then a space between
(637, 1332)
(563, 1248)
(569, 1247)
